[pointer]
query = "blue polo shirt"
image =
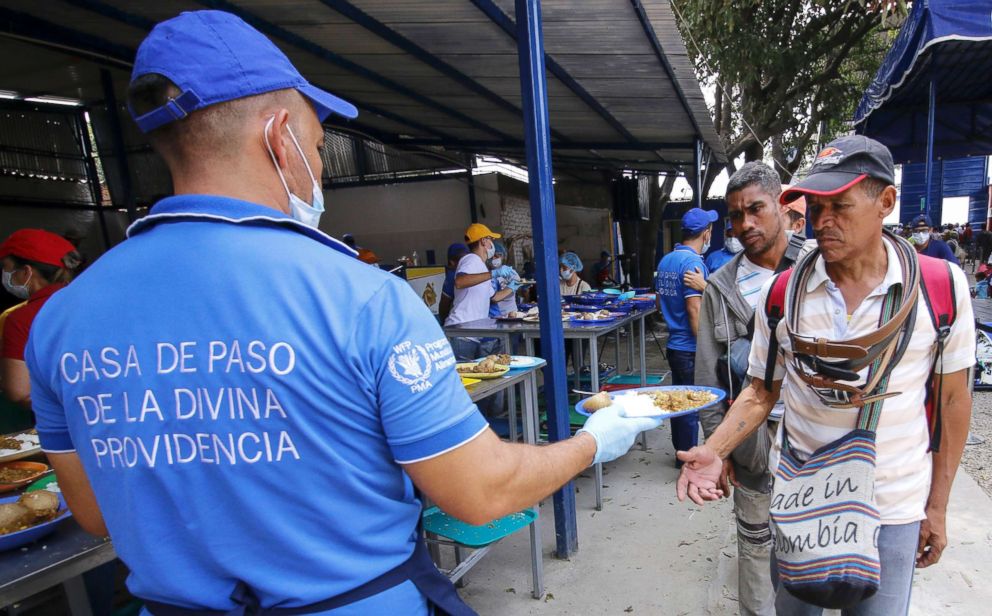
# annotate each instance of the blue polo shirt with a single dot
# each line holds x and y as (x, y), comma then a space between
(716, 259)
(672, 293)
(939, 249)
(241, 392)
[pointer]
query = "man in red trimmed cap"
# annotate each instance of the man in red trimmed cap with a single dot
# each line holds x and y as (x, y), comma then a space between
(36, 264)
(828, 370)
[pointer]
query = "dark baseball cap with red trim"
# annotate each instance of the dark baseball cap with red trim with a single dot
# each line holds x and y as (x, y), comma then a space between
(842, 164)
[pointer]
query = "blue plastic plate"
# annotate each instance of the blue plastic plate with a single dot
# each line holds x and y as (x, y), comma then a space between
(26, 536)
(720, 395)
(612, 291)
(590, 298)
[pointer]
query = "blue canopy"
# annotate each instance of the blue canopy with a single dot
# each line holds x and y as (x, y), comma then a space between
(949, 42)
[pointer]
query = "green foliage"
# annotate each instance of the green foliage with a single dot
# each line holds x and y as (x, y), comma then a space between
(788, 67)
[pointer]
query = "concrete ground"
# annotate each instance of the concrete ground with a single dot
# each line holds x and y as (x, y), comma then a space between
(646, 553)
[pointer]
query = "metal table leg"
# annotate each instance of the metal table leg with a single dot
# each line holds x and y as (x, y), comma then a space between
(594, 381)
(616, 351)
(512, 414)
(530, 436)
(75, 592)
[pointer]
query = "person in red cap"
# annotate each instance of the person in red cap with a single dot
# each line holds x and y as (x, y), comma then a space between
(36, 264)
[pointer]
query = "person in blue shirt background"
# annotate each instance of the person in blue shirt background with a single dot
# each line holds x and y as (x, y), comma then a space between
(250, 435)
(927, 244)
(731, 246)
(680, 304)
(455, 253)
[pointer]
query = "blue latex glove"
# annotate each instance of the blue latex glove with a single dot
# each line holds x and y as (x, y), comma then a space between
(503, 271)
(614, 433)
(514, 284)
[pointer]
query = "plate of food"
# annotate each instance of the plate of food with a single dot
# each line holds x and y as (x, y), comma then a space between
(13, 475)
(595, 318)
(660, 401)
(491, 367)
(19, 445)
(512, 316)
(30, 517)
(519, 362)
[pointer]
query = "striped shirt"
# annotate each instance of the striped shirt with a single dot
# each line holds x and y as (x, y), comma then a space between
(750, 279)
(903, 465)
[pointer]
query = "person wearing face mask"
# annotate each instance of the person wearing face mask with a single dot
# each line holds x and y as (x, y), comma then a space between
(927, 244)
(352, 392)
(509, 303)
(731, 246)
(36, 264)
(679, 304)
(569, 267)
(475, 288)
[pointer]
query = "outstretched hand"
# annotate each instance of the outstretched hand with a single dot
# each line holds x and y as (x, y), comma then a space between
(701, 475)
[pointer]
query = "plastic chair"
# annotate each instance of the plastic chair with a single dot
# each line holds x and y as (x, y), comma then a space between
(480, 539)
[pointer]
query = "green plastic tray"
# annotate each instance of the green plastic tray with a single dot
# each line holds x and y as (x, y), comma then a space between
(440, 523)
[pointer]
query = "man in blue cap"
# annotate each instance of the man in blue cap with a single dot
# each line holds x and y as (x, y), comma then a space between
(239, 401)
(927, 244)
(680, 304)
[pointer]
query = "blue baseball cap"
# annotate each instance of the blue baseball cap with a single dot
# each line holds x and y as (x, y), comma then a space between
(697, 219)
(214, 57)
(457, 250)
(922, 219)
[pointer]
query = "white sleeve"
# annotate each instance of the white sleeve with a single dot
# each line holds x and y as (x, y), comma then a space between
(959, 348)
(758, 360)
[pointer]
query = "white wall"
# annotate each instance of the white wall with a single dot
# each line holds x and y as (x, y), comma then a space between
(396, 219)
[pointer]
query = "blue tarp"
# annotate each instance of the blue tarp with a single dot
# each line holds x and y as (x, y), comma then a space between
(951, 42)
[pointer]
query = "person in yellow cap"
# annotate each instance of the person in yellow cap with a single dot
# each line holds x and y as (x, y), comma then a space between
(474, 290)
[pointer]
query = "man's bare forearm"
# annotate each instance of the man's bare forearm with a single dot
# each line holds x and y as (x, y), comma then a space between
(748, 412)
(534, 473)
(956, 419)
(463, 281)
(487, 478)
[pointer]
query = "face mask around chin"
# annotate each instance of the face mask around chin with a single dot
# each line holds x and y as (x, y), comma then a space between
(20, 291)
(734, 245)
(306, 213)
(496, 262)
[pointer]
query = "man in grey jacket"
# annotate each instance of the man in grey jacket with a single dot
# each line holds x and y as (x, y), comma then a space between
(722, 346)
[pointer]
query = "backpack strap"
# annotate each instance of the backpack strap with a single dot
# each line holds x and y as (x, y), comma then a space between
(775, 312)
(938, 289)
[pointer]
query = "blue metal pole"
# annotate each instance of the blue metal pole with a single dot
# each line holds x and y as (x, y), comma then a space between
(697, 168)
(537, 133)
(931, 113)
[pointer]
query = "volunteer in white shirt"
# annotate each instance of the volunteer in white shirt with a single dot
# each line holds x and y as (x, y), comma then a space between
(474, 291)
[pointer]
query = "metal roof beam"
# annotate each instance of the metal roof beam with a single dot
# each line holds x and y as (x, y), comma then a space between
(501, 19)
(29, 28)
(143, 23)
(659, 51)
(386, 33)
(329, 56)
(572, 145)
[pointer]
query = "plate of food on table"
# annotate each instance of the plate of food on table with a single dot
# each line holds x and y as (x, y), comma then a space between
(491, 367)
(30, 517)
(14, 475)
(597, 317)
(19, 445)
(659, 401)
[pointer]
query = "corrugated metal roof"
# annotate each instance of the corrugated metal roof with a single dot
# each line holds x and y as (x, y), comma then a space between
(621, 89)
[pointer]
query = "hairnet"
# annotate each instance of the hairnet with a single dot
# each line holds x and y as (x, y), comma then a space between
(571, 261)
(500, 248)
